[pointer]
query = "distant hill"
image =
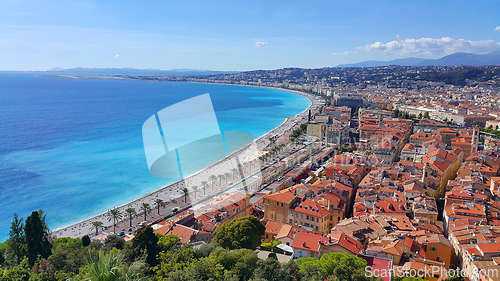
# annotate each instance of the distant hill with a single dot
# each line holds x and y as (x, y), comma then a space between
(372, 63)
(133, 72)
(460, 58)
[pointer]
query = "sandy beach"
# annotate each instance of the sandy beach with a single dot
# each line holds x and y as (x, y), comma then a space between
(172, 193)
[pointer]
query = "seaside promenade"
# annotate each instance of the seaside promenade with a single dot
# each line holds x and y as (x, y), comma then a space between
(173, 195)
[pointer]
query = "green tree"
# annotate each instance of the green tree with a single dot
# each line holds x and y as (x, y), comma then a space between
(239, 263)
(3, 250)
(68, 254)
(37, 241)
(334, 266)
(146, 241)
(97, 225)
(245, 232)
(113, 242)
(131, 212)
(175, 260)
(166, 242)
(86, 240)
(114, 215)
(146, 209)
(268, 269)
(16, 242)
(186, 192)
(21, 272)
(290, 271)
(158, 204)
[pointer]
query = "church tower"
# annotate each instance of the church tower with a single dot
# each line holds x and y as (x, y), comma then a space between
(474, 141)
(425, 173)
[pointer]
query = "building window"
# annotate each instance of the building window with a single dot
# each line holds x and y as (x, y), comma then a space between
(433, 249)
(307, 217)
(290, 221)
(438, 258)
(272, 217)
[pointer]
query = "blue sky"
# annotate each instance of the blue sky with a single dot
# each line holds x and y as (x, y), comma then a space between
(238, 35)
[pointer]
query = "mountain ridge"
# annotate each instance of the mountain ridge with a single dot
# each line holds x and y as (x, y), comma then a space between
(132, 71)
(458, 58)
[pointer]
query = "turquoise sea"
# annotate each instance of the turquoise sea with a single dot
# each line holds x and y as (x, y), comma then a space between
(73, 147)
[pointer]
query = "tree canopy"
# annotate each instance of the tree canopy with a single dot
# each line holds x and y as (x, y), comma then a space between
(245, 232)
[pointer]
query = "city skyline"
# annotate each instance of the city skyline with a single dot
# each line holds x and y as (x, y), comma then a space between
(228, 36)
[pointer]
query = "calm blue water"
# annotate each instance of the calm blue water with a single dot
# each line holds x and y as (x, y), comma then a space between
(73, 147)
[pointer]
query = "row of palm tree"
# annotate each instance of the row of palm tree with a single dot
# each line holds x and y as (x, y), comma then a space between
(273, 152)
(217, 179)
(116, 215)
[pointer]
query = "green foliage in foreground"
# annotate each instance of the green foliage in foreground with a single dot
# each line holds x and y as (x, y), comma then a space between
(152, 256)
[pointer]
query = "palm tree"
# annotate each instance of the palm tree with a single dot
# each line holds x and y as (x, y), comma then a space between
(96, 225)
(159, 203)
(146, 208)
(213, 178)
(112, 267)
(234, 170)
(114, 215)
(195, 189)
(186, 192)
(226, 175)
(204, 186)
(130, 211)
(220, 179)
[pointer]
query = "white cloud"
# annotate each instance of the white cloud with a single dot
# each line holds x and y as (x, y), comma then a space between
(116, 56)
(497, 28)
(260, 44)
(346, 53)
(430, 47)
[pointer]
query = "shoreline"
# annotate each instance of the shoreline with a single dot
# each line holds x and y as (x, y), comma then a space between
(172, 191)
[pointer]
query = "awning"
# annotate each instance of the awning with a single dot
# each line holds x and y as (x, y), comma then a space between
(285, 248)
